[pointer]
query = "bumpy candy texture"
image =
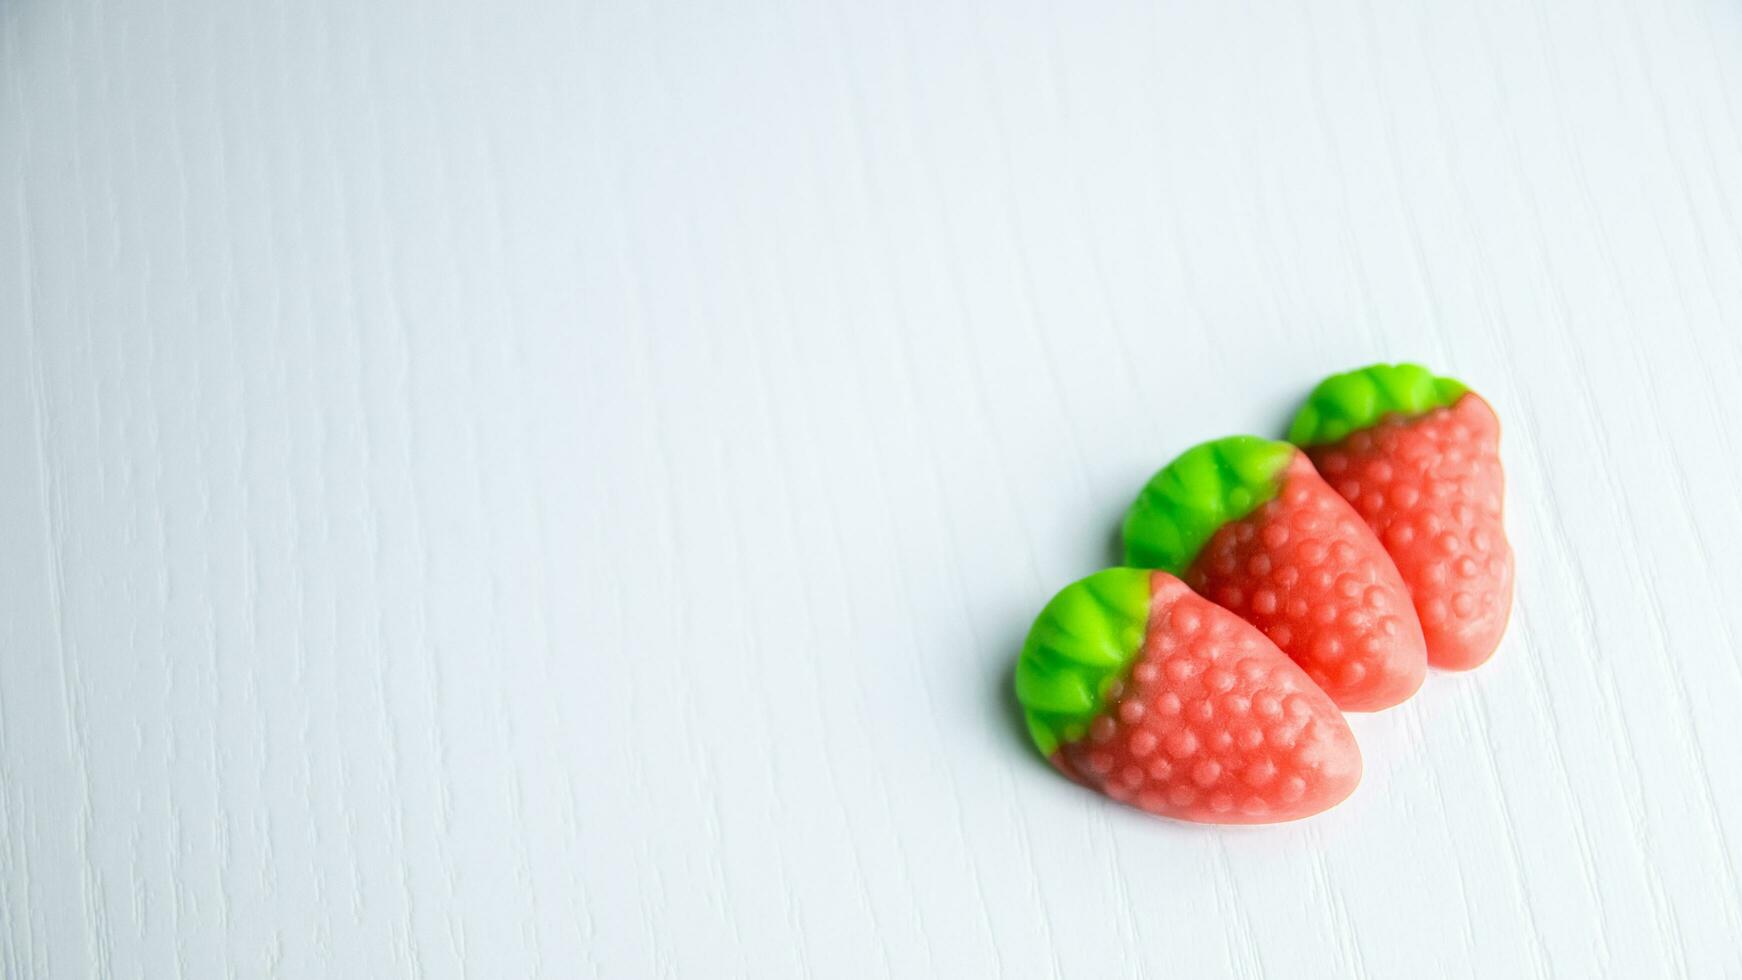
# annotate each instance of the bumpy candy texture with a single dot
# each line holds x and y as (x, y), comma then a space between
(1296, 561)
(1204, 720)
(1419, 459)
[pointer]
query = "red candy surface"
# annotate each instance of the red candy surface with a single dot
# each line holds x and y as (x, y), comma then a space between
(1431, 488)
(1215, 724)
(1307, 571)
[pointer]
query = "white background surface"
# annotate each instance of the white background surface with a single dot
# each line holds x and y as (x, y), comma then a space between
(555, 489)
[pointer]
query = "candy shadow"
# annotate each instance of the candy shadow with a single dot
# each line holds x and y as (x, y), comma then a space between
(1116, 542)
(1005, 645)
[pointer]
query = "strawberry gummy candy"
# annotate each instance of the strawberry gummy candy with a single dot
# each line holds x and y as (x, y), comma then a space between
(1250, 525)
(1419, 458)
(1134, 685)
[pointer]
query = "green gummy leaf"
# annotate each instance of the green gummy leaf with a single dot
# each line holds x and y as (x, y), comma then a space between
(1081, 644)
(1192, 497)
(1345, 403)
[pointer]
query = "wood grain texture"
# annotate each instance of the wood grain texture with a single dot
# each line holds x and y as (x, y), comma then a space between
(547, 489)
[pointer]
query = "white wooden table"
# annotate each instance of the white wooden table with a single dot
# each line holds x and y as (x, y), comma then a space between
(555, 489)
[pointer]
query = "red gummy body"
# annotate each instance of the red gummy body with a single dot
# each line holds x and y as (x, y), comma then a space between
(1431, 488)
(1306, 570)
(1215, 724)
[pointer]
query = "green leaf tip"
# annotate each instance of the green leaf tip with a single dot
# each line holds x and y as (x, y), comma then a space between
(1080, 645)
(1204, 488)
(1344, 403)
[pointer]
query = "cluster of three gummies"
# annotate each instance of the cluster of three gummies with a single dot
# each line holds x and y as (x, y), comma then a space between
(1270, 585)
